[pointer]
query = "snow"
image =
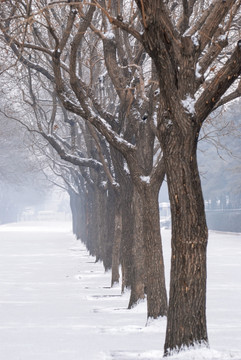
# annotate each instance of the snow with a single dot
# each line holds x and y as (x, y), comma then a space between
(145, 179)
(222, 37)
(109, 35)
(56, 303)
(168, 123)
(195, 39)
(108, 128)
(197, 72)
(155, 118)
(189, 104)
(126, 167)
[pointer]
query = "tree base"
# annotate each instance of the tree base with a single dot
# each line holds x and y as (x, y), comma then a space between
(196, 346)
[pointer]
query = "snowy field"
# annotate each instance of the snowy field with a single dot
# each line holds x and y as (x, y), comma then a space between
(56, 303)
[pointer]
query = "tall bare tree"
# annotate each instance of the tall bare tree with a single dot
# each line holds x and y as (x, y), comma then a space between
(197, 52)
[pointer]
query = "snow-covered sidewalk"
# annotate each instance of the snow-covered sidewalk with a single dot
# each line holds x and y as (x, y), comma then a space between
(56, 303)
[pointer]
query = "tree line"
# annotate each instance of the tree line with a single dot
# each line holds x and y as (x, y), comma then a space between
(116, 94)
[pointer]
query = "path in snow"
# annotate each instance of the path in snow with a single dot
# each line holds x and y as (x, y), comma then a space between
(56, 304)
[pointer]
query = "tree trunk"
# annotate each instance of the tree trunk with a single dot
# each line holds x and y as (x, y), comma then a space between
(78, 215)
(91, 221)
(154, 264)
(186, 324)
(115, 275)
(109, 220)
(148, 265)
(127, 234)
(138, 254)
(104, 210)
(73, 212)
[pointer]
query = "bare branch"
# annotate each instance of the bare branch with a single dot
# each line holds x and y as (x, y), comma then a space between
(230, 97)
(219, 85)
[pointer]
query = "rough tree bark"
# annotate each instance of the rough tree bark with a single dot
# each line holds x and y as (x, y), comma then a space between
(115, 275)
(154, 263)
(127, 233)
(186, 324)
(138, 254)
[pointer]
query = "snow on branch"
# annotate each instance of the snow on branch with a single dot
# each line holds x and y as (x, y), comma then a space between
(189, 104)
(75, 160)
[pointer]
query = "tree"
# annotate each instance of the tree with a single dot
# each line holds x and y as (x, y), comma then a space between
(186, 41)
(128, 126)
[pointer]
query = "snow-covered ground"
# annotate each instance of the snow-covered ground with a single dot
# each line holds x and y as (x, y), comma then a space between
(56, 303)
